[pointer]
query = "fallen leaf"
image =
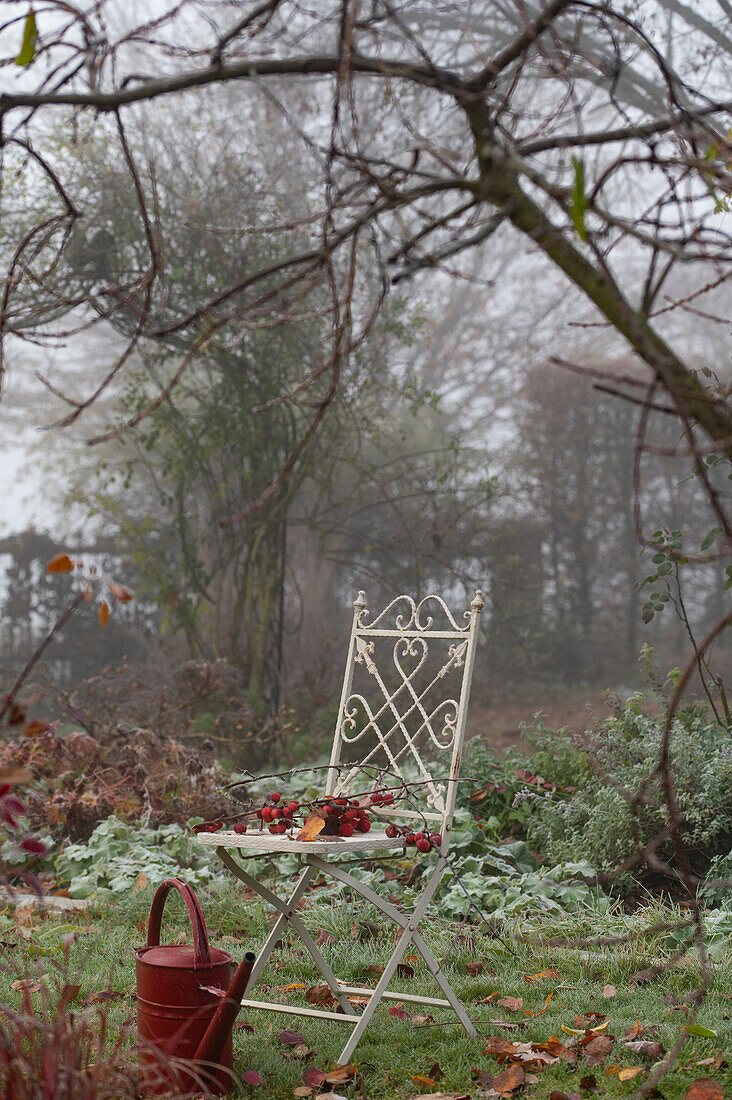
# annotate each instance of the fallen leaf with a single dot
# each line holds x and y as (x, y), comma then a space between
(609, 991)
(528, 1012)
(435, 1096)
(27, 985)
(291, 1038)
(654, 1050)
(475, 968)
(102, 996)
(556, 1049)
(508, 1080)
(371, 928)
(294, 985)
(633, 1032)
(69, 993)
(323, 938)
(314, 824)
(103, 613)
(597, 1049)
(698, 1029)
(716, 1060)
(320, 995)
(373, 968)
(340, 1074)
(704, 1088)
(629, 1072)
(140, 882)
(557, 1094)
(404, 970)
(400, 1014)
(541, 974)
(251, 1077)
(642, 976)
(585, 1030)
(511, 1003)
(312, 1076)
(243, 1025)
(302, 1090)
(300, 1052)
(485, 1000)
(420, 1080)
(435, 1072)
(500, 1049)
(589, 1083)
(421, 1020)
(482, 1077)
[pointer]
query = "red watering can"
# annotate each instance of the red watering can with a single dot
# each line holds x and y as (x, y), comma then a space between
(178, 1016)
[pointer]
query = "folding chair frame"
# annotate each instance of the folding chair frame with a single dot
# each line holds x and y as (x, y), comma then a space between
(413, 635)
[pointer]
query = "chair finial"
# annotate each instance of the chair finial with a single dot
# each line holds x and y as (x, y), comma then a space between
(477, 602)
(360, 602)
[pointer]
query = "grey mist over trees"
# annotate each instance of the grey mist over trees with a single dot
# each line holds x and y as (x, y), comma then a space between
(335, 254)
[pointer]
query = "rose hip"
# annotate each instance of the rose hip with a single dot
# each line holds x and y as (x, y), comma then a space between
(346, 829)
(364, 825)
(240, 827)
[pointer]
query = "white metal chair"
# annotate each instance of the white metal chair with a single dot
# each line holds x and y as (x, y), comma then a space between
(404, 699)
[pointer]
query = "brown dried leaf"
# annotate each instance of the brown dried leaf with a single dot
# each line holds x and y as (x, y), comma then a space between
(654, 1050)
(373, 968)
(609, 991)
(531, 978)
(298, 1053)
(642, 976)
(312, 1076)
(340, 1074)
(27, 985)
(511, 1003)
(589, 1083)
(508, 1080)
(482, 1077)
(474, 968)
(102, 996)
(557, 1094)
(314, 825)
(404, 970)
(500, 1048)
(103, 613)
(435, 1072)
(62, 563)
(598, 1049)
(69, 993)
(629, 1072)
(291, 1038)
(716, 1060)
(320, 995)
(437, 1096)
(557, 1049)
(704, 1088)
(633, 1032)
(302, 1090)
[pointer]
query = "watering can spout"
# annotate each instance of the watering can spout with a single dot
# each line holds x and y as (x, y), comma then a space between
(212, 1044)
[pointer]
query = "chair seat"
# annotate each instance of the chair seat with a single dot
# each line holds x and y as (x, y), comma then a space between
(328, 846)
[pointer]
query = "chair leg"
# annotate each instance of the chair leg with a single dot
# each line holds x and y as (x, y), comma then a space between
(287, 915)
(410, 934)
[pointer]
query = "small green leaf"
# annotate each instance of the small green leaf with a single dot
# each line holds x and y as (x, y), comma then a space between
(30, 34)
(697, 1029)
(648, 613)
(579, 200)
(709, 539)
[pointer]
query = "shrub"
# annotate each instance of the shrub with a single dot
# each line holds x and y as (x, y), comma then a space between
(579, 810)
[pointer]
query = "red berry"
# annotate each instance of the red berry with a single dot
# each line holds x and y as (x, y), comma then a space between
(281, 828)
(350, 815)
(287, 812)
(210, 828)
(346, 829)
(274, 828)
(240, 827)
(410, 839)
(364, 825)
(391, 831)
(388, 799)
(276, 796)
(341, 801)
(260, 815)
(293, 806)
(325, 810)
(420, 836)
(423, 844)
(275, 812)
(436, 839)
(377, 797)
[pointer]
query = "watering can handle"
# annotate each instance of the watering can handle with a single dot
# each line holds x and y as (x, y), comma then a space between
(201, 952)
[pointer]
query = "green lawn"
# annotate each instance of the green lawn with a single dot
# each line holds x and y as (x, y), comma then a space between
(396, 1050)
